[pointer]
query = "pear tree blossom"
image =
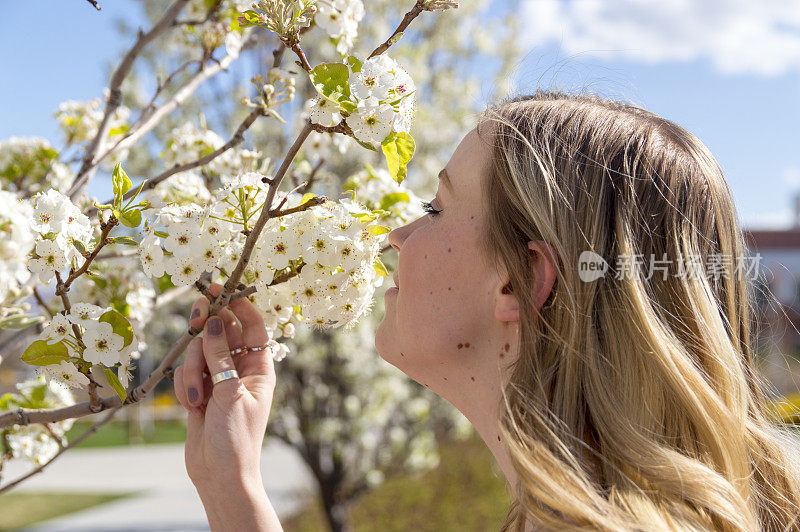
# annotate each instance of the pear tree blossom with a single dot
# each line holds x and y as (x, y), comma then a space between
(311, 258)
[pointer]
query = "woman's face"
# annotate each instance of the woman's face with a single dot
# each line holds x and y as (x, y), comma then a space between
(447, 326)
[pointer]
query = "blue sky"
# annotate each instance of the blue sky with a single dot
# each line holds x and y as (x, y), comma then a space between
(726, 70)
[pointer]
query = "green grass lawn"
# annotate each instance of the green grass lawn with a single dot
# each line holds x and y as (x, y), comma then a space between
(467, 492)
(116, 433)
(19, 509)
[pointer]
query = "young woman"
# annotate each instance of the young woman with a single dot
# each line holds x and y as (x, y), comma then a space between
(559, 293)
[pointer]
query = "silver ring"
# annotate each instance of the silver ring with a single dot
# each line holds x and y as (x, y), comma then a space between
(238, 350)
(224, 375)
(263, 347)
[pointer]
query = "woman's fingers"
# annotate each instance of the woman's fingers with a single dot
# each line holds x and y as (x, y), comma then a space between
(254, 332)
(193, 366)
(217, 353)
(233, 331)
(180, 391)
(199, 312)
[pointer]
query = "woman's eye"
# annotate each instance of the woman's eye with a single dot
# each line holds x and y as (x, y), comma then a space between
(429, 209)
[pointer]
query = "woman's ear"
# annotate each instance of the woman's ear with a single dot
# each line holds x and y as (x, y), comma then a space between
(543, 262)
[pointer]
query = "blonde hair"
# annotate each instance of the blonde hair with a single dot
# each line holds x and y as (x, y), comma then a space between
(653, 379)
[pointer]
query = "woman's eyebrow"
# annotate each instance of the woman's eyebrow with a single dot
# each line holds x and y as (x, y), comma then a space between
(445, 178)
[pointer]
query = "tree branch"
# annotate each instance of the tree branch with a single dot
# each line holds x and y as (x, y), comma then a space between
(178, 98)
(89, 163)
(94, 3)
(250, 242)
(61, 449)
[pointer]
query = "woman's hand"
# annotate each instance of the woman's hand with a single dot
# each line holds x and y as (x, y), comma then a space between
(228, 420)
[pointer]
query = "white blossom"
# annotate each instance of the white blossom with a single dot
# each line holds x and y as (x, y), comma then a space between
(66, 372)
(102, 343)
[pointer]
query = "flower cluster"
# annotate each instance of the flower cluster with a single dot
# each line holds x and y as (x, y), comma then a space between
(31, 164)
(384, 95)
(340, 19)
(337, 250)
(284, 17)
(62, 230)
(80, 121)
(16, 242)
(189, 143)
(34, 442)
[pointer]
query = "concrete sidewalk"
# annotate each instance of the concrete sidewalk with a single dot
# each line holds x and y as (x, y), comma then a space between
(167, 500)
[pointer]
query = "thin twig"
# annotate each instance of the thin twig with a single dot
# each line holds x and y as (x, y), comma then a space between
(177, 99)
(410, 16)
(61, 450)
(42, 303)
(105, 229)
(89, 163)
(94, 3)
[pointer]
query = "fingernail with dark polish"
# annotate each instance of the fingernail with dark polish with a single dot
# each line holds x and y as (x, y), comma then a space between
(215, 326)
(192, 394)
(195, 313)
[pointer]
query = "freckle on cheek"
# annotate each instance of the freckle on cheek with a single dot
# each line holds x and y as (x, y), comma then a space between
(506, 348)
(466, 345)
(445, 378)
(498, 438)
(460, 346)
(473, 379)
(448, 250)
(501, 355)
(401, 354)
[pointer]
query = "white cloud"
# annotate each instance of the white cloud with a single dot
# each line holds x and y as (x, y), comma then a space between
(759, 37)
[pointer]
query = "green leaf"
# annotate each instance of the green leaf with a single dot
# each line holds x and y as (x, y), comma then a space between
(112, 379)
(161, 234)
(126, 240)
(99, 282)
(7, 401)
(40, 353)
(354, 62)
(79, 246)
(364, 217)
(119, 130)
(120, 324)
(378, 229)
(165, 283)
(380, 267)
(348, 106)
(307, 196)
(367, 145)
(120, 181)
(249, 18)
(131, 218)
(392, 198)
(398, 149)
(330, 80)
